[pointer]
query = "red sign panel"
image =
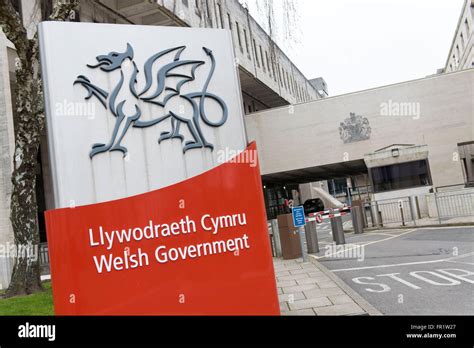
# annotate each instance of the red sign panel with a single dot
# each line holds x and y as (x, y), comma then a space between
(200, 247)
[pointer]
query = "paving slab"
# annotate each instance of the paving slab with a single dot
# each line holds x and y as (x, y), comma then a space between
(308, 288)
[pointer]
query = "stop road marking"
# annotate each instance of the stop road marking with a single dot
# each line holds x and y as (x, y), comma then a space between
(442, 277)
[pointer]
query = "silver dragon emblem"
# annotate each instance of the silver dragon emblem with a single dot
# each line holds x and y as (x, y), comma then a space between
(167, 80)
(354, 128)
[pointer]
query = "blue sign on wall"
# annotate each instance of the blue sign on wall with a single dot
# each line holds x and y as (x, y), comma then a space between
(298, 216)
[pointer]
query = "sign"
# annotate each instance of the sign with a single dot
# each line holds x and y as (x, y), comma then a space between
(189, 249)
(128, 113)
(156, 203)
(299, 218)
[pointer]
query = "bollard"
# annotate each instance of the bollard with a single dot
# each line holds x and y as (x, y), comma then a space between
(312, 237)
(338, 230)
(373, 219)
(304, 253)
(401, 213)
(276, 237)
(357, 220)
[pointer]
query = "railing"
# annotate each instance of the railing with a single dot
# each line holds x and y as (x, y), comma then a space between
(390, 211)
(43, 254)
(454, 205)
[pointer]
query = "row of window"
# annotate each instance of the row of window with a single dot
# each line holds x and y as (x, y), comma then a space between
(263, 60)
(454, 65)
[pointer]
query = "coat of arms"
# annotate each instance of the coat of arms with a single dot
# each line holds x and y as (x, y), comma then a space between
(164, 73)
(354, 128)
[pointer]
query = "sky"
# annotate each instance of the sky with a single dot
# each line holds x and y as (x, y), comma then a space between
(360, 44)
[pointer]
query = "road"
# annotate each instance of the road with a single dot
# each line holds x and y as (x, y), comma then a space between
(420, 271)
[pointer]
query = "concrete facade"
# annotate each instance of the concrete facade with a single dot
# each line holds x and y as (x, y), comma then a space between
(268, 77)
(461, 53)
(306, 136)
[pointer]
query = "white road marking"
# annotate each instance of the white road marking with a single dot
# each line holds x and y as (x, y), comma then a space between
(402, 264)
(385, 234)
(464, 263)
(363, 245)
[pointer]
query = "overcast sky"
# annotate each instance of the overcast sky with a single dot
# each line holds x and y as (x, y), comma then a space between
(360, 44)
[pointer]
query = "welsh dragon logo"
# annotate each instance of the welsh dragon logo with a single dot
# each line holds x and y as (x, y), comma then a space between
(162, 82)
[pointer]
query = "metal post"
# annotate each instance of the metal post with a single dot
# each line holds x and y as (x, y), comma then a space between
(357, 220)
(417, 205)
(400, 205)
(311, 237)
(412, 210)
(437, 208)
(363, 214)
(276, 237)
(338, 230)
(372, 215)
(304, 253)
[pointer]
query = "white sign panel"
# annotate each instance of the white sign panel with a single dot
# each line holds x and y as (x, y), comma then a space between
(132, 108)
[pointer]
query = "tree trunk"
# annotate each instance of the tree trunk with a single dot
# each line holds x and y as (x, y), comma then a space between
(29, 106)
(23, 214)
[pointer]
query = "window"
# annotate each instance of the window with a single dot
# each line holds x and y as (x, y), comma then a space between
(246, 42)
(185, 3)
(261, 56)
(279, 76)
(208, 11)
(238, 36)
(457, 51)
(463, 43)
(268, 63)
(466, 155)
(466, 25)
(273, 70)
(197, 8)
(401, 176)
(230, 21)
(256, 53)
(221, 19)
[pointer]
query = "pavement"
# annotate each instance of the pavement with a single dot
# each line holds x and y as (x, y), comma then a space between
(308, 288)
(418, 271)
